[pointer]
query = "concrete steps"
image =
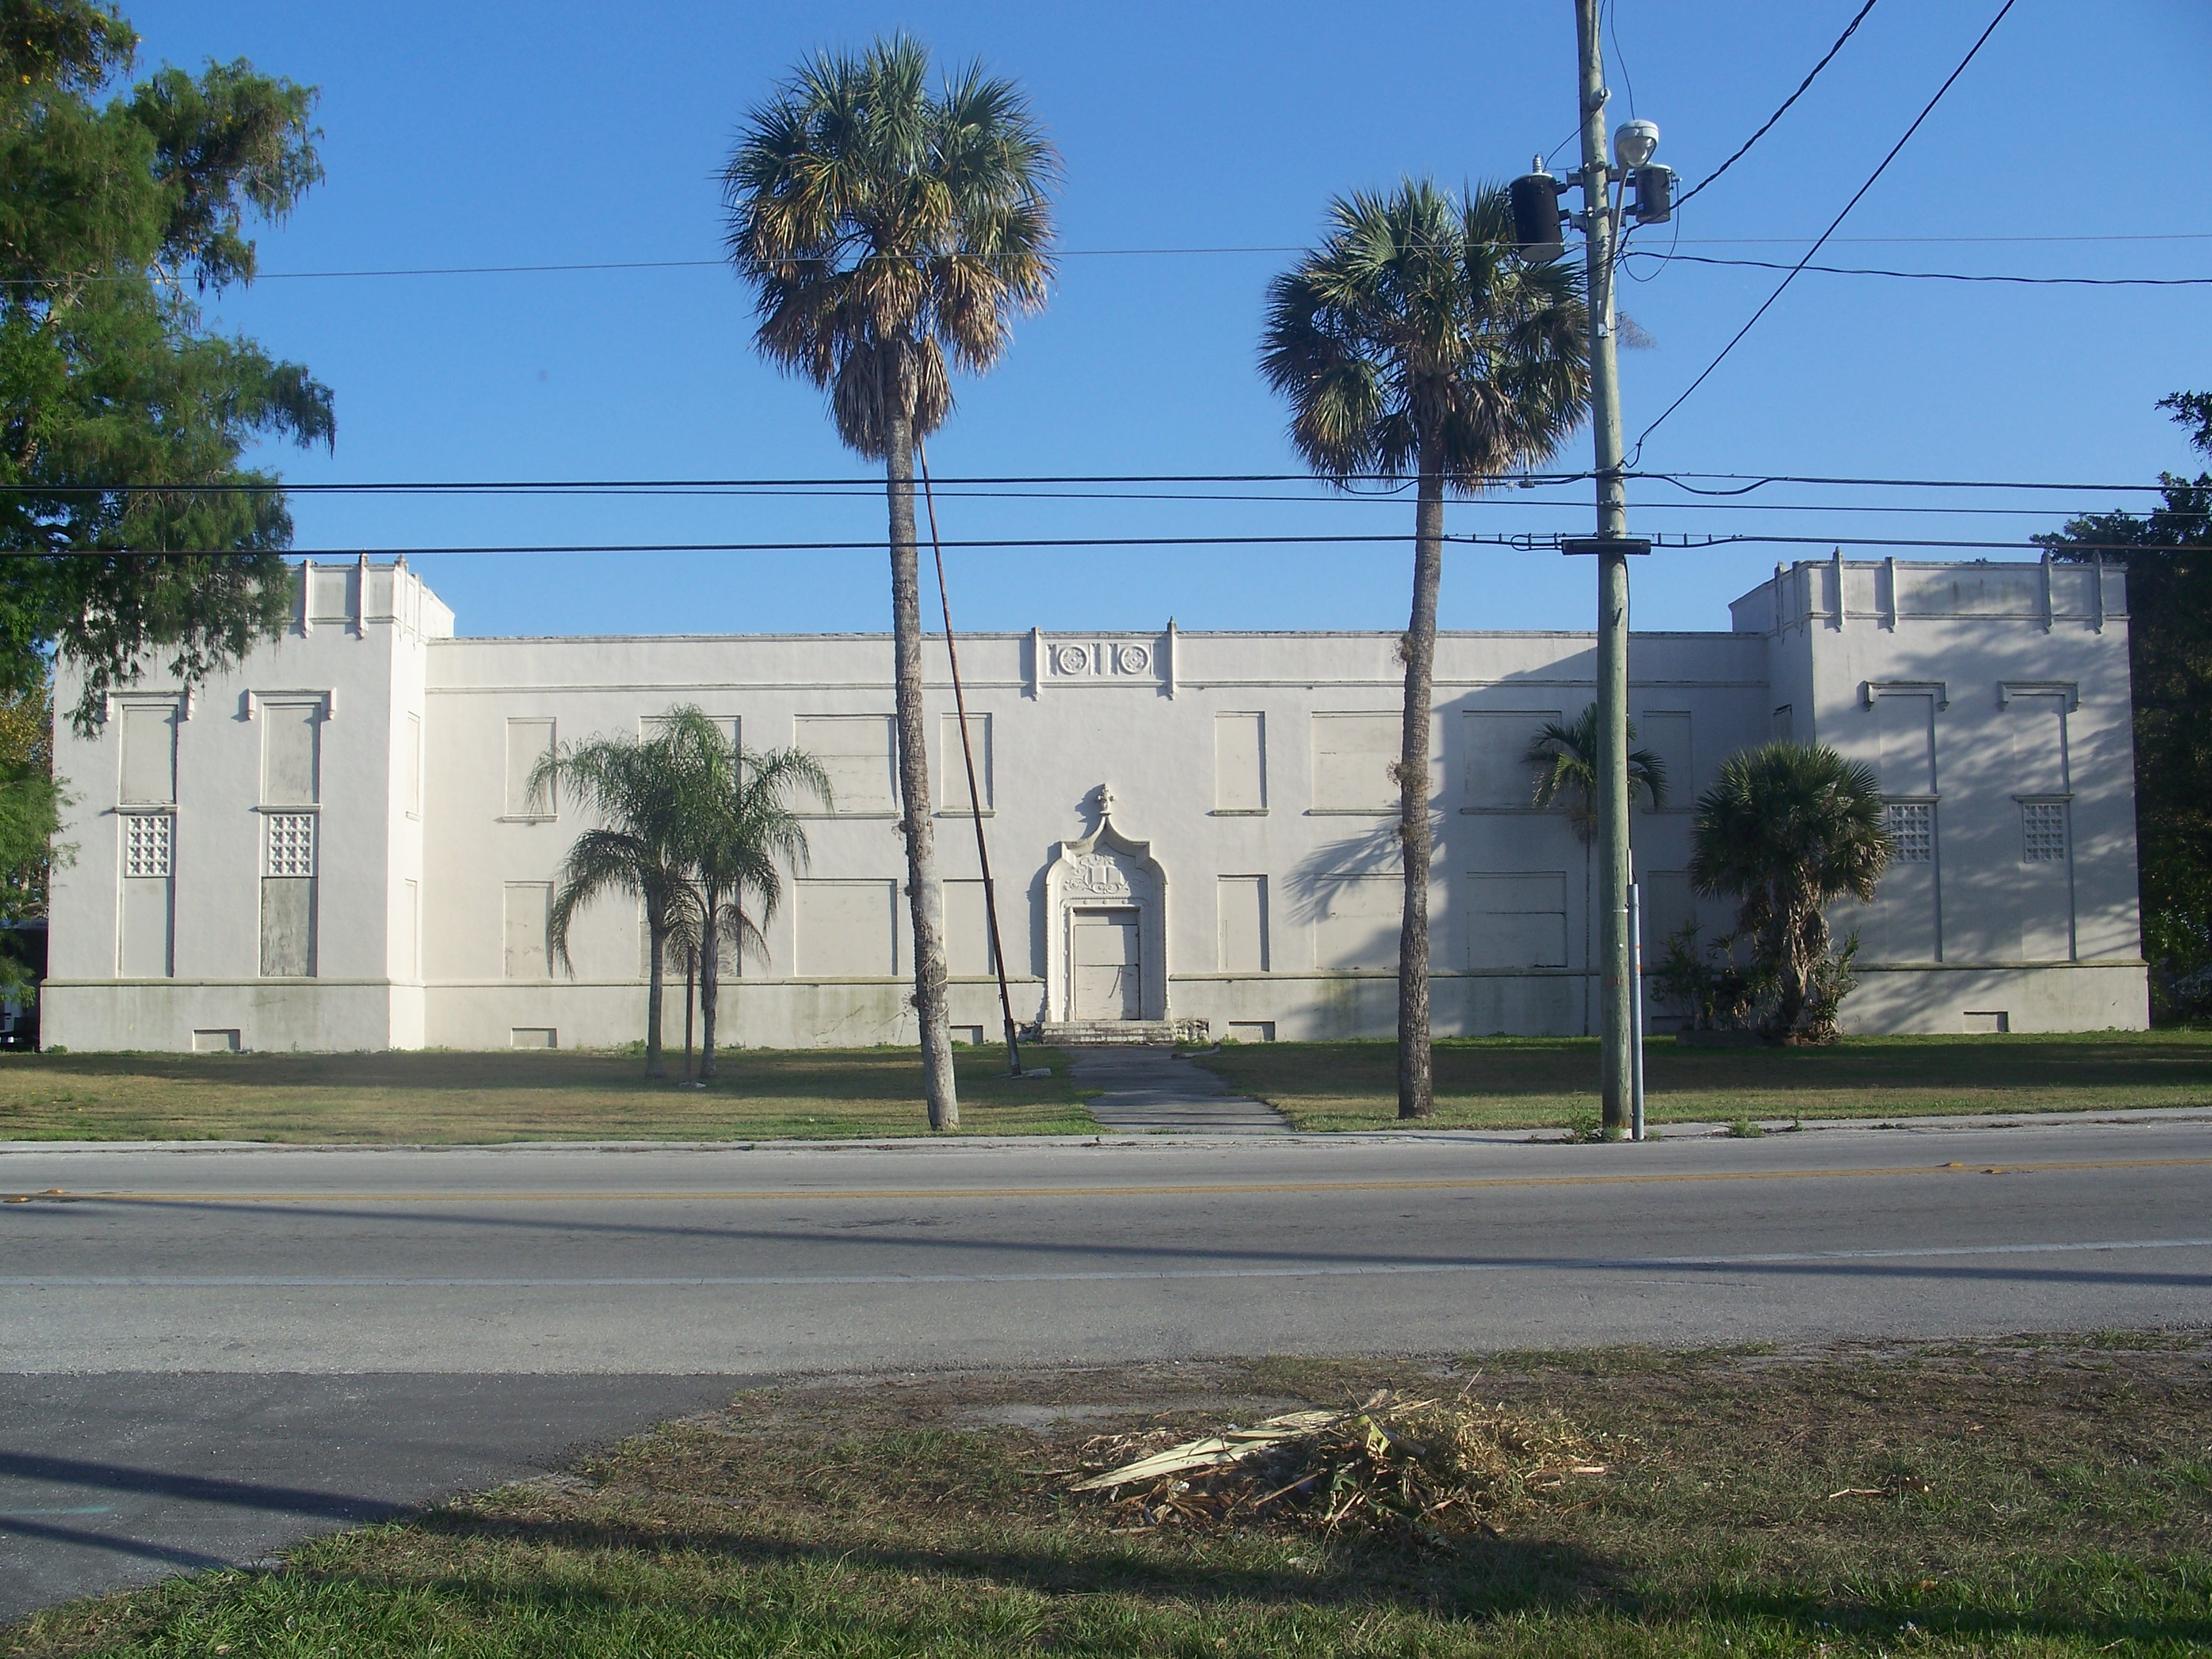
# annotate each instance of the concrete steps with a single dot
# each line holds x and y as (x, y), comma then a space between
(1121, 1033)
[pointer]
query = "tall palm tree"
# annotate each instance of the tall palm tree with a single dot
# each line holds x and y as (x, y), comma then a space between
(1413, 342)
(738, 830)
(633, 787)
(890, 233)
(1787, 829)
(1566, 762)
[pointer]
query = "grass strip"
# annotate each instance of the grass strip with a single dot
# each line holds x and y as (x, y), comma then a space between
(2033, 1497)
(441, 1097)
(1512, 1083)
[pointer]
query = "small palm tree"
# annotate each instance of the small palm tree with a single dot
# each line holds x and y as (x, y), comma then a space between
(633, 787)
(1787, 829)
(1566, 762)
(1413, 342)
(737, 831)
(888, 231)
(1567, 759)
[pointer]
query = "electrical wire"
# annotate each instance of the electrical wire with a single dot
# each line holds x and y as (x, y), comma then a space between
(1971, 53)
(1061, 253)
(1612, 28)
(1525, 542)
(1925, 276)
(1739, 484)
(1850, 30)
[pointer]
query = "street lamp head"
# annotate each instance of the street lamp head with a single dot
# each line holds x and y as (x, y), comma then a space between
(1635, 143)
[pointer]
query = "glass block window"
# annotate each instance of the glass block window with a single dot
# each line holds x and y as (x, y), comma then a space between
(2043, 832)
(291, 844)
(146, 844)
(1912, 830)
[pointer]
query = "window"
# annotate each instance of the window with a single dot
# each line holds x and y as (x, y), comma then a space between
(1516, 920)
(848, 929)
(968, 930)
(148, 900)
(1240, 762)
(1359, 923)
(953, 766)
(1670, 904)
(2043, 832)
(1784, 727)
(1667, 735)
(291, 756)
(1905, 724)
(650, 726)
(855, 751)
(1355, 757)
(146, 843)
(1241, 904)
(410, 764)
(1495, 743)
(527, 910)
(528, 742)
(291, 844)
(287, 895)
(411, 931)
(150, 754)
(1912, 825)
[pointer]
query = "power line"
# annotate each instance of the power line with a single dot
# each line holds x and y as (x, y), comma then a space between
(1739, 484)
(1928, 276)
(1850, 30)
(1971, 53)
(557, 268)
(1526, 542)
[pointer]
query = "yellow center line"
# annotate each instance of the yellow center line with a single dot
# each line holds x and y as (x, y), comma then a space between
(1122, 1189)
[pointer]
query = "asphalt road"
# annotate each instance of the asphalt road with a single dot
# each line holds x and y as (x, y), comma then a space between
(206, 1352)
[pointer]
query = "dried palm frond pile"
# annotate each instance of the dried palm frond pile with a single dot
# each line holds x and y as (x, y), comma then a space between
(1424, 1467)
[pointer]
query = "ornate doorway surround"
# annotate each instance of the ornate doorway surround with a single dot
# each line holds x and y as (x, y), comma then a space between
(1101, 879)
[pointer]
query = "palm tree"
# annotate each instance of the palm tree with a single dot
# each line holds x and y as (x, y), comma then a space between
(633, 787)
(737, 831)
(1413, 342)
(886, 230)
(1787, 829)
(1567, 759)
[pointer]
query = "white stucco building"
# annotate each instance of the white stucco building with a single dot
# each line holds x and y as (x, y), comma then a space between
(332, 847)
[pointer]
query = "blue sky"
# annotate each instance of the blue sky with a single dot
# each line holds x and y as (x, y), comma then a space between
(467, 134)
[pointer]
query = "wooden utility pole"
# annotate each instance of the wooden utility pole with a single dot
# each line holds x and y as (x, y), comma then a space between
(1616, 994)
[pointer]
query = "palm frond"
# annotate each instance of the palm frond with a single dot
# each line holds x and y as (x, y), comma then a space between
(1409, 333)
(890, 232)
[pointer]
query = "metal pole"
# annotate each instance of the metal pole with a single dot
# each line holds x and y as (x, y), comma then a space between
(1636, 978)
(1615, 992)
(975, 796)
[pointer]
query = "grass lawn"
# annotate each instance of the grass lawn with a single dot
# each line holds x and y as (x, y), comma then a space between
(453, 1098)
(2032, 1498)
(1500, 1083)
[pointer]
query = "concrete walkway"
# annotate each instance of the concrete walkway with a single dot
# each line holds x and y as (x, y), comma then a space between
(1149, 1090)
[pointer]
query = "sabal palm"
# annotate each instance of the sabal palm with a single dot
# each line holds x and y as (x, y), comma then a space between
(891, 235)
(737, 833)
(634, 788)
(1787, 829)
(1414, 343)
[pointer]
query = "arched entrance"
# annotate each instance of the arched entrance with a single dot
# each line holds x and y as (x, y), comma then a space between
(1106, 905)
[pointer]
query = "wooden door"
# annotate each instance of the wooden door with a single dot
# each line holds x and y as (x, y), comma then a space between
(1109, 971)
